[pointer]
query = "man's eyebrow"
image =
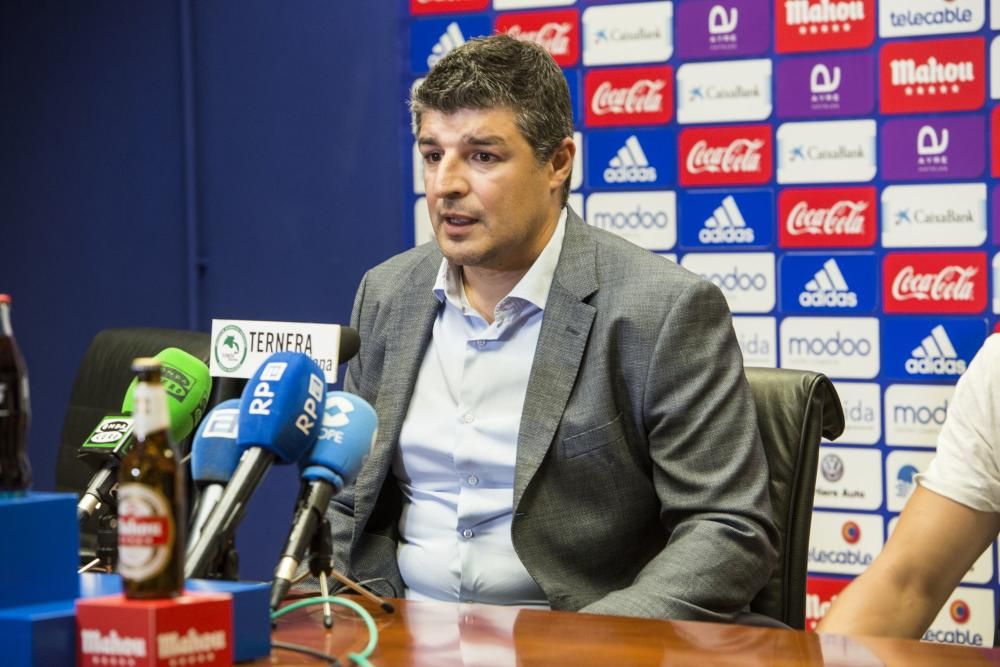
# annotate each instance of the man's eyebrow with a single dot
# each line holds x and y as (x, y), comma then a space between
(488, 140)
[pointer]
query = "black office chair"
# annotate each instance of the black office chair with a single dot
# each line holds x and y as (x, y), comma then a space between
(99, 387)
(794, 410)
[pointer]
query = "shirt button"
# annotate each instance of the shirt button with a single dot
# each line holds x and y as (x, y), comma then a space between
(467, 533)
(468, 419)
(473, 480)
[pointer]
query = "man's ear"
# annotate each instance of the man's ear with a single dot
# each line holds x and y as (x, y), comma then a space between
(561, 162)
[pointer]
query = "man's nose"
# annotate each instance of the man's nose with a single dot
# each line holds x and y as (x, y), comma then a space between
(450, 178)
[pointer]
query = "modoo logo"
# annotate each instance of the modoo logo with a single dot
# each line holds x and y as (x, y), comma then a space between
(738, 280)
(922, 415)
(831, 346)
(636, 219)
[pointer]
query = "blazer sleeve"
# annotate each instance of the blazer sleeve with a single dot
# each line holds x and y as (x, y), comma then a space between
(709, 472)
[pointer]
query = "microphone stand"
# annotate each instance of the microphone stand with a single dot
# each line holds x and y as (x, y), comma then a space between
(321, 566)
(107, 544)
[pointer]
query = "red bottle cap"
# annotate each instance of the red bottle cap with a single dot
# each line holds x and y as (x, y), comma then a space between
(5, 298)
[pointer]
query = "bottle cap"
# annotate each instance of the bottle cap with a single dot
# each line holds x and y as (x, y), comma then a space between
(5, 298)
(145, 364)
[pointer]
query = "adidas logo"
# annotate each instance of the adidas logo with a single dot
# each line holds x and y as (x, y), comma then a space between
(828, 289)
(630, 165)
(726, 225)
(451, 39)
(935, 356)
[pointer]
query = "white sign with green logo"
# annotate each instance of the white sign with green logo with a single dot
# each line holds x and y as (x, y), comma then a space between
(239, 347)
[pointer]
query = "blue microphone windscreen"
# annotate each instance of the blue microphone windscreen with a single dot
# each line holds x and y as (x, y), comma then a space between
(214, 453)
(345, 439)
(282, 405)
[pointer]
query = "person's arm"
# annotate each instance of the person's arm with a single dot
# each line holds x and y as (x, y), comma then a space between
(708, 469)
(935, 543)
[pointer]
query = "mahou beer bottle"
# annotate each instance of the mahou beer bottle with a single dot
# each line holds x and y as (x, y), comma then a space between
(150, 497)
(15, 410)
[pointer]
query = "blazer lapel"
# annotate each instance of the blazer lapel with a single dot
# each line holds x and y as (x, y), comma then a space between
(561, 342)
(410, 327)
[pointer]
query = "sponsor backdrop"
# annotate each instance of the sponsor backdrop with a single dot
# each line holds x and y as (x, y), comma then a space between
(832, 166)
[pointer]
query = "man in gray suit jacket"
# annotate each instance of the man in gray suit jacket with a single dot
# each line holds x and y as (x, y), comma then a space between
(617, 437)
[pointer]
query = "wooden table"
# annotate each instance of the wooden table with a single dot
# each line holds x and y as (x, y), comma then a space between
(438, 634)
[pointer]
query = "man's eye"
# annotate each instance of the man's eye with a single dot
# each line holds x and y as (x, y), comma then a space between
(485, 157)
(432, 157)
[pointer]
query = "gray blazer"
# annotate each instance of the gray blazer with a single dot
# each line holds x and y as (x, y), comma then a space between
(640, 484)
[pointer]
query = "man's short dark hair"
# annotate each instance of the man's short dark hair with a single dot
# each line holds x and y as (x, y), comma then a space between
(502, 72)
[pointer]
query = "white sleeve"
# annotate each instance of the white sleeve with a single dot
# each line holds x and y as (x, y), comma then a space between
(966, 467)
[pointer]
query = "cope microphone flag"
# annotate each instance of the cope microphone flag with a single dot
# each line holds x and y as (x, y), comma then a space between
(188, 384)
(347, 433)
(279, 421)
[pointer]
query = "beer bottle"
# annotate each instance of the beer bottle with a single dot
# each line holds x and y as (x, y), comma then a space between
(15, 410)
(151, 497)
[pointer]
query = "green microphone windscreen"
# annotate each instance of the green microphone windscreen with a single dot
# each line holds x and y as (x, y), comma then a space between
(188, 384)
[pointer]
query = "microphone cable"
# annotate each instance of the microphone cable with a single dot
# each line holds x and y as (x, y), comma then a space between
(360, 659)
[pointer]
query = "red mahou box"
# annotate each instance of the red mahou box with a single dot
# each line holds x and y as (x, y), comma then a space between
(186, 630)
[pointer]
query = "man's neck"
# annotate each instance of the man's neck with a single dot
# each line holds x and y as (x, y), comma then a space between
(484, 288)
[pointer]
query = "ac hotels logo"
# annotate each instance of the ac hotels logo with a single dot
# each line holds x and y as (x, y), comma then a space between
(937, 75)
(935, 283)
(634, 96)
(726, 155)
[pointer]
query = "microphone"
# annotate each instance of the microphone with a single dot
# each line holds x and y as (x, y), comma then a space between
(188, 384)
(346, 437)
(214, 456)
(278, 421)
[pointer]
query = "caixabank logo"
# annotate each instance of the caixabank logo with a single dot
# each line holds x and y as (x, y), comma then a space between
(841, 347)
(433, 39)
(557, 32)
(928, 216)
(734, 155)
(925, 348)
(630, 158)
(823, 25)
(723, 28)
(726, 219)
(424, 7)
(841, 543)
(828, 283)
(829, 85)
(946, 147)
(714, 92)
(629, 96)
(933, 75)
(640, 32)
(967, 618)
(827, 217)
(841, 151)
(910, 18)
(944, 283)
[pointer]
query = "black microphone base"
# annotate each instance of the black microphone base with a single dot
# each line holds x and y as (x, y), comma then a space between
(279, 589)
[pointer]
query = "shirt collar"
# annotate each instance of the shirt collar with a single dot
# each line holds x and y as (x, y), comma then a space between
(533, 286)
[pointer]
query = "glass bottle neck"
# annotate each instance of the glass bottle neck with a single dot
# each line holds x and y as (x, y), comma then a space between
(149, 409)
(5, 328)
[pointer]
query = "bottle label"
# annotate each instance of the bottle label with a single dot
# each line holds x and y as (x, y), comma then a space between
(6, 397)
(150, 409)
(145, 532)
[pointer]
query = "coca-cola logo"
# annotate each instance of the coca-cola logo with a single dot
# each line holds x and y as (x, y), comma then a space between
(935, 283)
(938, 75)
(741, 155)
(636, 96)
(423, 7)
(820, 217)
(555, 31)
(726, 155)
(952, 283)
(843, 217)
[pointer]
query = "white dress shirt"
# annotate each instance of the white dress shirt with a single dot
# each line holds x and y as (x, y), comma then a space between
(458, 444)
